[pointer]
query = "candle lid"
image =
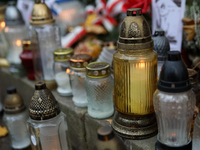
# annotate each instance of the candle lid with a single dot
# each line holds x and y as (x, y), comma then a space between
(105, 133)
(13, 102)
(13, 16)
(134, 32)
(161, 44)
(80, 61)
(174, 74)
(63, 54)
(41, 14)
(98, 70)
(43, 104)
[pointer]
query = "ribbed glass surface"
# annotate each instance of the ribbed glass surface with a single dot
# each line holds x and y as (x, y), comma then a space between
(135, 75)
(196, 134)
(174, 112)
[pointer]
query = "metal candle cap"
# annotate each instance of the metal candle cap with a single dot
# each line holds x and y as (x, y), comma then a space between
(174, 75)
(13, 16)
(134, 32)
(105, 133)
(13, 102)
(43, 104)
(63, 54)
(98, 70)
(41, 14)
(161, 44)
(80, 61)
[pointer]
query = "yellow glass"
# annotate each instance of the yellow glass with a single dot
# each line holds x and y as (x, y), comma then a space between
(135, 80)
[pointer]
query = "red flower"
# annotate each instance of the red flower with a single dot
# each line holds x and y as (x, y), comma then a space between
(144, 4)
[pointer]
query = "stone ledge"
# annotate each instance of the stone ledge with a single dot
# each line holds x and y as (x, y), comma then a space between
(82, 128)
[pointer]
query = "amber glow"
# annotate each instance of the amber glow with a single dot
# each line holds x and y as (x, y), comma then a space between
(18, 43)
(135, 84)
(141, 65)
(3, 24)
(67, 71)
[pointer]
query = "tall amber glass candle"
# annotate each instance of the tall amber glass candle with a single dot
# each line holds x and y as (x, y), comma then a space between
(135, 81)
(135, 69)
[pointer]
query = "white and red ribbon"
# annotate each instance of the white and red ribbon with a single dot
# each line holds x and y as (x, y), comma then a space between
(73, 36)
(105, 13)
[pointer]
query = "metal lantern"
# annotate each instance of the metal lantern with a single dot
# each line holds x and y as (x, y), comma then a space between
(135, 79)
(47, 34)
(15, 117)
(161, 47)
(47, 125)
(15, 31)
(174, 103)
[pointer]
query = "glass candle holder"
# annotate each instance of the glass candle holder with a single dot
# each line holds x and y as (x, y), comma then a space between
(47, 34)
(47, 125)
(62, 70)
(135, 79)
(174, 103)
(27, 58)
(15, 117)
(15, 31)
(3, 41)
(99, 88)
(77, 76)
(196, 134)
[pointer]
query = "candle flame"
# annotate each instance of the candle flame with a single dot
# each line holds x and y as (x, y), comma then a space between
(18, 43)
(141, 65)
(67, 71)
(3, 24)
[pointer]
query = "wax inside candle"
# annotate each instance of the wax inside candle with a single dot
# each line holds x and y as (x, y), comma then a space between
(63, 81)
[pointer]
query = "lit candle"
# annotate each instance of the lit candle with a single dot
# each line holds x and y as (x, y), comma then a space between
(62, 71)
(63, 81)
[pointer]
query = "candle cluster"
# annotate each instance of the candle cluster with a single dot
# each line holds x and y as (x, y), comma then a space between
(151, 91)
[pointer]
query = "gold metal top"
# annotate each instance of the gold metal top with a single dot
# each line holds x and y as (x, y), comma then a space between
(63, 54)
(98, 70)
(41, 14)
(80, 61)
(13, 102)
(135, 32)
(43, 104)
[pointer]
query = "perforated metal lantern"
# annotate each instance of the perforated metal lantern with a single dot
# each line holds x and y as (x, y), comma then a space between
(47, 125)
